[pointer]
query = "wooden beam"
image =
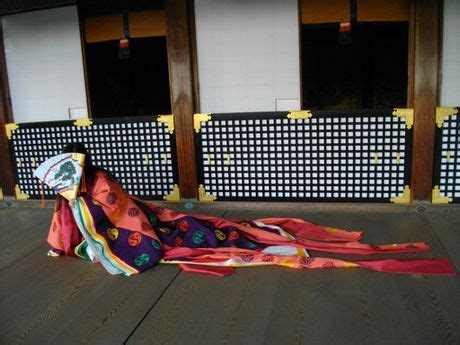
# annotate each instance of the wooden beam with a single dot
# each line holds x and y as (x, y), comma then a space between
(299, 32)
(6, 116)
(180, 80)
(194, 55)
(411, 56)
(426, 61)
(81, 27)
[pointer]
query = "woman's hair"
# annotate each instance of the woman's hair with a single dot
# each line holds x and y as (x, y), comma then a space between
(89, 169)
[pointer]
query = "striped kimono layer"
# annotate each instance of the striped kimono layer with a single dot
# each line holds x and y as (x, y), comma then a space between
(128, 236)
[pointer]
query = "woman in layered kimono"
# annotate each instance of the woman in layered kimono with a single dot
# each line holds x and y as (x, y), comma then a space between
(127, 236)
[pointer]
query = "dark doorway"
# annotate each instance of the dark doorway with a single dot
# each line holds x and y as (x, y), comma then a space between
(135, 86)
(369, 72)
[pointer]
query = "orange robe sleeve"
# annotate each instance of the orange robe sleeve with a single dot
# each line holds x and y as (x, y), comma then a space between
(63, 233)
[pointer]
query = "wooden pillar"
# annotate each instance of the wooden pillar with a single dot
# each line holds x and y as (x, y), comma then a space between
(194, 57)
(426, 63)
(6, 116)
(180, 80)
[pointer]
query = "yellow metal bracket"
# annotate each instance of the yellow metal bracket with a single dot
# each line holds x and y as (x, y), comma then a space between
(168, 120)
(19, 194)
(1, 193)
(437, 198)
(175, 194)
(202, 196)
(404, 198)
(299, 114)
(407, 113)
(442, 112)
(198, 118)
(376, 158)
(10, 128)
(83, 122)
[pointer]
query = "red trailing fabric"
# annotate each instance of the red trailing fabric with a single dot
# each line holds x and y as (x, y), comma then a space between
(302, 228)
(225, 252)
(362, 248)
(311, 237)
(410, 266)
(266, 237)
(219, 271)
(405, 266)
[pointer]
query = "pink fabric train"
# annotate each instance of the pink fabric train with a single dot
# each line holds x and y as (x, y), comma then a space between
(127, 236)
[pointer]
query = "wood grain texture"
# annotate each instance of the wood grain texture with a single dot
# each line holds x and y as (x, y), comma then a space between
(102, 308)
(6, 116)
(22, 231)
(180, 79)
(194, 56)
(41, 286)
(426, 59)
(411, 56)
(81, 22)
(272, 305)
(66, 299)
(446, 228)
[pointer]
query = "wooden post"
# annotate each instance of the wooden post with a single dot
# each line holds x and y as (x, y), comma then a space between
(411, 56)
(180, 80)
(6, 116)
(426, 61)
(194, 55)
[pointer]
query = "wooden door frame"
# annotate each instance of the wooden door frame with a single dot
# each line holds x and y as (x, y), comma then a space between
(183, 83)
(194, 57)
(81, 30)
(426, 53)
(6, 116)
(181, 80)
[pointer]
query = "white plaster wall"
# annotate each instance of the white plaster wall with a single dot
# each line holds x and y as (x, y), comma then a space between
(45, 67)
(248, 55)
(450, 87)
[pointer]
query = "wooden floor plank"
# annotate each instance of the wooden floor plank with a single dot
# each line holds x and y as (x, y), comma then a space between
(208, 310)
(361, 307)
(36, 287)
(273, 305)
(77, 299)
(99, 308)
(21, 231)
(68, 298)
(447, 229)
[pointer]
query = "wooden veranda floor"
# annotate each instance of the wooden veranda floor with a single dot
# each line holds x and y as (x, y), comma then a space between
(67, 300)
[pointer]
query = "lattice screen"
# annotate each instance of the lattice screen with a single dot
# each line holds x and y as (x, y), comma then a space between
(447, 160)
(331, 156)
(140, 152)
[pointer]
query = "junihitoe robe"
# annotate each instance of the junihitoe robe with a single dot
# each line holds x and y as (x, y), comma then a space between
(128, 236)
